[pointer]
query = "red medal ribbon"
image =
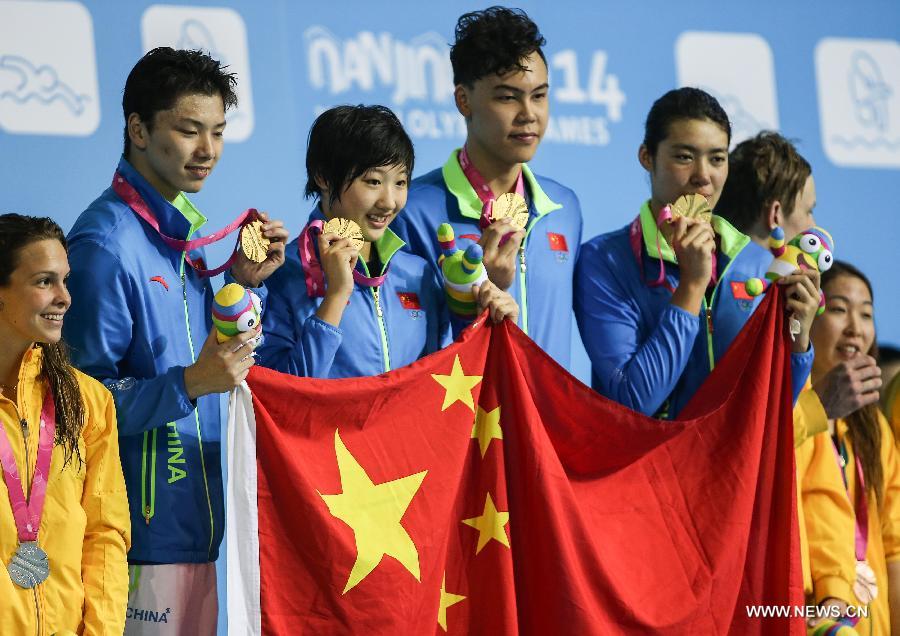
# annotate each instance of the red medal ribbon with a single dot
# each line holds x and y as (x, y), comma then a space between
(136, 202)
(27, 512)
(313, 274)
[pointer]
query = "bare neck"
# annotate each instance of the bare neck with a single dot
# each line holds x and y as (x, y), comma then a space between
(759, 234)
(500, 176)
(10, 363)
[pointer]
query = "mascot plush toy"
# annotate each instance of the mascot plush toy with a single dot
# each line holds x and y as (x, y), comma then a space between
(460, 271)
(235, 310)
(811, 249)
(830, 627)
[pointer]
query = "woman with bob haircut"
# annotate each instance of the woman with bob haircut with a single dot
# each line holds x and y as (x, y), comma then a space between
(347, 308)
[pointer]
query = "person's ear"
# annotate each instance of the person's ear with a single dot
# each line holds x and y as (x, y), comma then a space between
(645, 158)
(774, 215)
(461, 97)
(137, 131)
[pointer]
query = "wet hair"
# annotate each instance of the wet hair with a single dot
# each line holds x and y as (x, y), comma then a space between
(164, 75)
(346, 141)
(761, 170)
(493, 42)
(679, 104)
(16, 233)
(863, 426)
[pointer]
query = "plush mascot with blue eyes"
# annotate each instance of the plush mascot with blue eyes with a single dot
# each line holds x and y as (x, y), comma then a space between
(235, 310)
(811, 249)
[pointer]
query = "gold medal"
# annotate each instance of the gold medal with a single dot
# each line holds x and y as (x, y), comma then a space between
(511, 205)
(254, 244)
(693, 206)
(345, 229)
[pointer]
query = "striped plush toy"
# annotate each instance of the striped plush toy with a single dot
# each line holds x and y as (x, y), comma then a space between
(234, 310)
(460, 271)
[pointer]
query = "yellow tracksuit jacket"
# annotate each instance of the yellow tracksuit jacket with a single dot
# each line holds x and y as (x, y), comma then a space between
(85, 527)
(831, 528)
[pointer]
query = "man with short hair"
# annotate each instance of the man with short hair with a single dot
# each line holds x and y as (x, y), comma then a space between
(770, 184)
(501, 90)
(140, 322)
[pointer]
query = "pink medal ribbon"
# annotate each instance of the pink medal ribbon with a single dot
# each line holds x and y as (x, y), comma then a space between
(636, 233)
(865, 587)
(313, 273)
(482, 189)
(27, 512)
(136, 202)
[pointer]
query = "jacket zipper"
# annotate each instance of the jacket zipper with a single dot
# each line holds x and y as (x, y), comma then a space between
(148, 482)
(379, 314)
(24, 424)
(523, 293)
(709, 321)
(187, 322)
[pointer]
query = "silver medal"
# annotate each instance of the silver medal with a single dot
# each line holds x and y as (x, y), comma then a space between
(29, 565)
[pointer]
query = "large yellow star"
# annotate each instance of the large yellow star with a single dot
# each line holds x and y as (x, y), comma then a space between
(373, 511)
(489, 524)
(458, 385)
(447, 600)
(486, 428)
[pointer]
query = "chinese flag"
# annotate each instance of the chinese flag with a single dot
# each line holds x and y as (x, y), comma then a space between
(484, 490)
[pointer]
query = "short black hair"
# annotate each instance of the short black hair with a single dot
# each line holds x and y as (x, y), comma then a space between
(493, 42)
(679, 104)
(346, 141)
(761, 170)
(165, 74)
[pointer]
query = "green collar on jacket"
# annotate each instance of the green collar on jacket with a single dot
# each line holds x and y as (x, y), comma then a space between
(469, 203)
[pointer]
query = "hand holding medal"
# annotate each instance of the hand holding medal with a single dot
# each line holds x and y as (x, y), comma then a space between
(262, 251)
(685, 224)
(339, 244)
(513, 206)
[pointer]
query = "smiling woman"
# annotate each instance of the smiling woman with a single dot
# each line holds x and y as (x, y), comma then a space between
(350, 304)
(866, 447)
(59, 445)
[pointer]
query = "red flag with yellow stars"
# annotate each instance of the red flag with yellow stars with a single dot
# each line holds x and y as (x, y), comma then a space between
(484, 490)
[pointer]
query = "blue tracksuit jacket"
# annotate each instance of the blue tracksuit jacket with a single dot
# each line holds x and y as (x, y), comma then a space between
(382, 328)
(543, 283)
(139, 316)
(646, 353)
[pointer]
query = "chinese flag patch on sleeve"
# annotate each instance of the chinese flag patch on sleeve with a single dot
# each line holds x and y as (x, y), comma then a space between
(557, 242)
(409, 300)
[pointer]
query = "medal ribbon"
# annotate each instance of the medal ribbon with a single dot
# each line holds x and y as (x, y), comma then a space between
(27, 512)
(636, 233)
(482, 189)
(860, 509)
(313, 273)
(136, 202)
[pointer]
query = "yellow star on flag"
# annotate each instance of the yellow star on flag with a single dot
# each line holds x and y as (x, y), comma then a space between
(486, 428)
(489, 524)
(458, 386)
(374, 512)
(447, 600)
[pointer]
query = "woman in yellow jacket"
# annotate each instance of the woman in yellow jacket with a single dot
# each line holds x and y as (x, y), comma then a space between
(64, 523)
(865, 451)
